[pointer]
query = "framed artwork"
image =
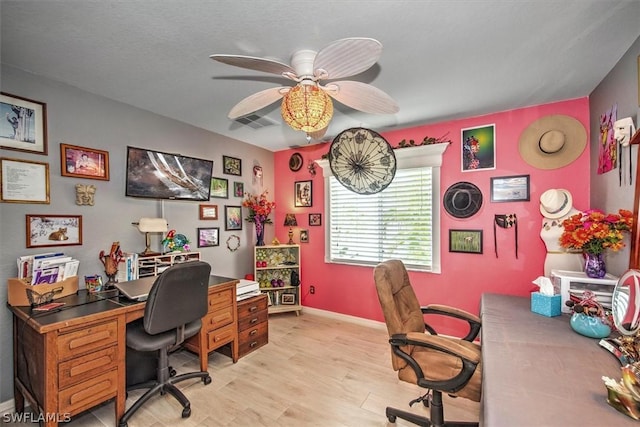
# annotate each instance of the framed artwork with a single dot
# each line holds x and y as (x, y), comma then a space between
(220, 188)
(231, 166)
(478, 148)
(53, 230)
(304, 236)
(208, 212)
(82, 162)
(233, 217)
(466, 241)
(238, 189)
(510, 188)
(209, 236)
(288, 299)
(24, 181)
(24, 124)
(303, 193)
(315, 219)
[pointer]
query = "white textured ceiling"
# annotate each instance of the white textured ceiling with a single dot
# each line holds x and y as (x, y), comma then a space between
(441, 60)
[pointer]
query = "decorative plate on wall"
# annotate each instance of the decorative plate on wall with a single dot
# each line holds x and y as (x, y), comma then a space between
(295, 162)
(362, 161)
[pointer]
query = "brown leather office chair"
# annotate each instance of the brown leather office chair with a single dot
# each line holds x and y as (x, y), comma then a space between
(176, 304)
(437, 363)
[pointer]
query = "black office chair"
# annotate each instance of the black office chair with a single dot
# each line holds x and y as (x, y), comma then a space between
(175, 306)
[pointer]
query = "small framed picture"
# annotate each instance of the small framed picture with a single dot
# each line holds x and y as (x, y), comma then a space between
(219, 188)
(24, 124)
(233, 217)
(510, 188)
(478, 148)
(466, 241)
(231, 166)
(53, 230)
(303, 193)
(238, 189)
(208, 212)
(23, 181)
(288, 299)
(304, 236)
(209, 236)
(315, 219)
(82, 162)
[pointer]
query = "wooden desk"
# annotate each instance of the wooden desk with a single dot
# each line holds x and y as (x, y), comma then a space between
(536, 371)
(71, 360)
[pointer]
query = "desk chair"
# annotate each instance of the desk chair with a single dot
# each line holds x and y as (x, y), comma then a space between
(176, 304)
(437, 363)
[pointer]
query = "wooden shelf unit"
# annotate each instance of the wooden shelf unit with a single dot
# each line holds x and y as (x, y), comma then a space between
(273, 266)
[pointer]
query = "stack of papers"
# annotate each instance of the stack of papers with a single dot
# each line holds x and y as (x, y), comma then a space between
(47, 268)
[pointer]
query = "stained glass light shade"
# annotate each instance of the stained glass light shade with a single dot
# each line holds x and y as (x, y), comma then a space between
(362, 161)
(307, 108)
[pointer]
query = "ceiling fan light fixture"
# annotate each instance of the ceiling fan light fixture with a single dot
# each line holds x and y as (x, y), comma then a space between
(307, 108)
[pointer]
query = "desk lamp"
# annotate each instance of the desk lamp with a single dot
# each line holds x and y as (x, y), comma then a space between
(151, 225)
(290, 221)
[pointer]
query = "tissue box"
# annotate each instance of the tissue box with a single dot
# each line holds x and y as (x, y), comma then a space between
(547, 305)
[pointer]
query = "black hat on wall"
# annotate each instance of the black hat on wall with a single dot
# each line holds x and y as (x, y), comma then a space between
(462, 200)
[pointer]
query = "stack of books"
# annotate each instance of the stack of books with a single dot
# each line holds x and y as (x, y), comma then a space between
(47, 268)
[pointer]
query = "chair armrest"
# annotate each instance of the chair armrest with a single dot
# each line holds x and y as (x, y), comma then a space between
(452, 346)
(444, 310)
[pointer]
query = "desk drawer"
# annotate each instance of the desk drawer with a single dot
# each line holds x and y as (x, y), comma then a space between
(223, 298)
(220, 337)
(253, 338)
(87, 366)
(220, 317)
(88, 393)
(252, 320)
(251, 306)
(87, 339)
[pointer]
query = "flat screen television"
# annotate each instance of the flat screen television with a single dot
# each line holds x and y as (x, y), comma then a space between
(157, 175)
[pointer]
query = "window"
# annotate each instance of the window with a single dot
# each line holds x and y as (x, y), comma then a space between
(400, 222)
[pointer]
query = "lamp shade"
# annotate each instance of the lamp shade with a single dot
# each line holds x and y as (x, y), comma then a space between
(290, 220)
(307, 108)
(152, 225)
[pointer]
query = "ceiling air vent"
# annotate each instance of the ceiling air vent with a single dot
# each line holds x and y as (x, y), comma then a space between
(255, 121)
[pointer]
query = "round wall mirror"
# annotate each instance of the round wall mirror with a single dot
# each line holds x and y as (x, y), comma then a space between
(625, 303)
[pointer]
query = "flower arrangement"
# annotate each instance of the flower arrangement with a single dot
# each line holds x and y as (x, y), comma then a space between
(593, 231)
(259, 207)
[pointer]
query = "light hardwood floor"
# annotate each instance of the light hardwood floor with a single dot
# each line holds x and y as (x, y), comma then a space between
(315, 371)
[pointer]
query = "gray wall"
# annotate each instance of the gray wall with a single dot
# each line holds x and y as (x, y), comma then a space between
(619, 87)
(81, 118)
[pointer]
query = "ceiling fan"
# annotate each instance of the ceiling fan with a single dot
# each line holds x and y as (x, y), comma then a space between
(306, 105)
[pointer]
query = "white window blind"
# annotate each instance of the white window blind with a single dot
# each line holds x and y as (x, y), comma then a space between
(395, 223)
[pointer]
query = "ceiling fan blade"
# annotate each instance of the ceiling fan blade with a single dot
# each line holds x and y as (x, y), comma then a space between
(347, 57)
(252, 63)
(362, 97)
(257, 101)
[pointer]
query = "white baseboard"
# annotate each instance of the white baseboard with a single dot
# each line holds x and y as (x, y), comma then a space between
(346, 318)
(7, 407)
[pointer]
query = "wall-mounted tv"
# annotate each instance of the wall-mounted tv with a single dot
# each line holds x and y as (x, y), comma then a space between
(157, 175)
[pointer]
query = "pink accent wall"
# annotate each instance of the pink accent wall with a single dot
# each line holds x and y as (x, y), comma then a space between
(350, 290)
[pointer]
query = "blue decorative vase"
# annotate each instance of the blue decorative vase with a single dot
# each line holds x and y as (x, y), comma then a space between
(589, 326)
(594, 265)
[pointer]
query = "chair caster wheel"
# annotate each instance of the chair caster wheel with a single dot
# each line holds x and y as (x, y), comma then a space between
(392, 418)
(172, 372)
(186, 412)
(207, 380)
(122, 424)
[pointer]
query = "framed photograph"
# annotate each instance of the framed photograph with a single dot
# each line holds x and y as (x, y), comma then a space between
(304, 236)
(303, 193)
(208, 237)
(315, 219)
(466, 241)
(81, 162)
(238, 189)
(288, 299)
(24, 181)
(208, 212)
(231, 166)
(24, 124)
(220, 188)
(478, 148)
(53, 230)
(510, 188)
(233, 217)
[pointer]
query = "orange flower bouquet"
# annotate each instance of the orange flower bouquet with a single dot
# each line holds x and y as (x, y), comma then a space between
(593, 231)
(259, 210)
